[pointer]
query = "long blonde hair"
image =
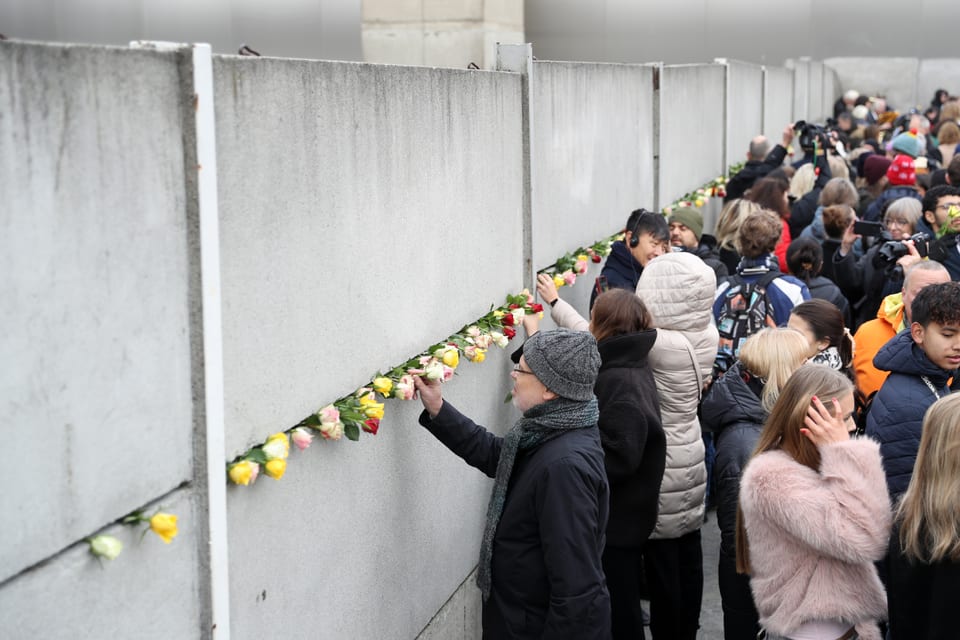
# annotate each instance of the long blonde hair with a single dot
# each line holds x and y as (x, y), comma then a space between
(782, 429)
(728, 223)
(773, 354)
(929, 513)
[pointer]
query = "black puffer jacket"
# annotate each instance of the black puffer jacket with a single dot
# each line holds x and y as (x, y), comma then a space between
(621, 270)
(732, 410)
(634, 445)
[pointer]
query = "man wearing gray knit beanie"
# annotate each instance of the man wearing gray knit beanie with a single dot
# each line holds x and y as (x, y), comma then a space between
(539, 569)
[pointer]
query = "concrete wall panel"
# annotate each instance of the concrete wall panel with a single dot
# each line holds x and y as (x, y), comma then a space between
(744, 108)
(339, 184)
(592, 160)
(801, 88)
(894, 78)
(937, 73)
(691, 147)
(815, 98)
(151, 591)
(394, 520)
(777, 101)
(95, 389)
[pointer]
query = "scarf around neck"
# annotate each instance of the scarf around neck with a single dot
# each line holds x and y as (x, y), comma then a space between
(539, 424)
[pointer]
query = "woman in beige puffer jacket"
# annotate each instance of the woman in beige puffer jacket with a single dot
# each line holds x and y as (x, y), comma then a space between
(678, 289)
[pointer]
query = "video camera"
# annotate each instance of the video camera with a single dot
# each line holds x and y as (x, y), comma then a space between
(810, 134)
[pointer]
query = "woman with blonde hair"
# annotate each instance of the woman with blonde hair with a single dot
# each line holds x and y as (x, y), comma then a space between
(923, 565)
(948, 135)
(814, 515)
(728, 224)
(735, 409)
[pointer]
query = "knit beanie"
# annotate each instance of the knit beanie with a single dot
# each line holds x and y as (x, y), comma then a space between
(875, 167)
(565, 361)
(907, 143)
(901, 171)
(690, 218)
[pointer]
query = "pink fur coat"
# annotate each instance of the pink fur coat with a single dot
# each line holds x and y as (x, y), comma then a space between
(814, 537)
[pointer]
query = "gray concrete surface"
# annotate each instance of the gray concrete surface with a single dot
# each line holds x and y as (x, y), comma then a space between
(777, 101)
(744, 115)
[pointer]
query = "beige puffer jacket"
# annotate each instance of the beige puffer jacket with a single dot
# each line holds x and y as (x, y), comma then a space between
(678, 289)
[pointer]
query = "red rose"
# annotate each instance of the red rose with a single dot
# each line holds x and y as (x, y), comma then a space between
(510, 332)
(371, 425)
(596, 257)
(514, 306)
(508, 320)
(536, 307)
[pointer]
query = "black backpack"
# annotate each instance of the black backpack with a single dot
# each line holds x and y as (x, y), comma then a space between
(746, 309)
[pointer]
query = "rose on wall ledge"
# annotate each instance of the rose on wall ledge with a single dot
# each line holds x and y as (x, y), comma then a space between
(161, 523)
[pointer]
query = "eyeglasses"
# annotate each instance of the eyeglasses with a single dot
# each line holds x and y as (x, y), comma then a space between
(946, 206)
(901, 222)
(518, 369)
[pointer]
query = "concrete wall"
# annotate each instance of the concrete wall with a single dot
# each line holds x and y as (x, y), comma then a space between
(815, 95)
(375, 210)
(327, 29)
(777, 101)
(744, 108)
(592, 152)
(445, 33)
(98, 351)
(905, 82)
(691, 126)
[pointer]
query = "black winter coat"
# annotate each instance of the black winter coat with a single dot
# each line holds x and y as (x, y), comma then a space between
(875, 210)
(865, 282)
(707, 251)
(923, 598)
(634, 444)
(825, 289)
(752, 171)
(621, 269)
(732, 410)
(896, 415)
(547, 578)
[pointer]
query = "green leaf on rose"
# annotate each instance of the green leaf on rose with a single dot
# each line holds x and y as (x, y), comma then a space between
(351, 430)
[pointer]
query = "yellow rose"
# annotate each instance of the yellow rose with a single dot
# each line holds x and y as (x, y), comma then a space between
(241, 472)
(558, 280)
(165, 526)
(383, 386)
(275, 468)
(497, 313)
(699, 202)
(451, 358)
(582, 258)
(277, 446)
(480, 355)
(370, 407)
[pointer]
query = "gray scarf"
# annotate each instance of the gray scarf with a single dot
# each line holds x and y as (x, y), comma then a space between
(538, 424)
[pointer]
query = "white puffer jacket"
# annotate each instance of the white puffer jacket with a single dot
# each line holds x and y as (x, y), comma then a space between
(678, 289)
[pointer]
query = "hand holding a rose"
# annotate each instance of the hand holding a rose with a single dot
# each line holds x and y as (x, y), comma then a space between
(429, 394)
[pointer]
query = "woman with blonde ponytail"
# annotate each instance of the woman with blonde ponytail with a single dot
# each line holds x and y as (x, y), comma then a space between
(814, 516)
(923, 564)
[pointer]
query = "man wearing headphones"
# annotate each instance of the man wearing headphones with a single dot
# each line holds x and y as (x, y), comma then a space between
(646, 237)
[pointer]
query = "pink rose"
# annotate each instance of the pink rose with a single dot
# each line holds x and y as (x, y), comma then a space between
(447, 373)
(569, 277)
(301, 438)
(580, 266)
(483, 341)
(404, 388)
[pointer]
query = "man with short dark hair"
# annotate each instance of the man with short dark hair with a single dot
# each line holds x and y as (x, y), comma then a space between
(941, 217)
(759, 163)
(920, 362)
(540, 569)
(645, 237)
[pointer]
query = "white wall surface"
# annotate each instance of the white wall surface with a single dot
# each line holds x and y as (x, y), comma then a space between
(937, 73)
(96, 384)
(895, 78)
(592, 161)
(777, 101)
(338, 180)
(815, 96)
(744, 108)
(691, 128)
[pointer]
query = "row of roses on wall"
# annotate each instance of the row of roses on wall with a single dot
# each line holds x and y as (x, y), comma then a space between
(362, 410)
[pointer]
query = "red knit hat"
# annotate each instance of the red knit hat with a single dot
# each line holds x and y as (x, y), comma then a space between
(902, 171)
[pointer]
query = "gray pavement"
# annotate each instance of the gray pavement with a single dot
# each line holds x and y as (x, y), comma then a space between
(711, 615)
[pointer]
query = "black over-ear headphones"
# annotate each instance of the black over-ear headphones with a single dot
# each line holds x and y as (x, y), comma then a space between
(634, 238)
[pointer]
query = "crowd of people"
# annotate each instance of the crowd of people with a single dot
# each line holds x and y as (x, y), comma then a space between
(793, 370)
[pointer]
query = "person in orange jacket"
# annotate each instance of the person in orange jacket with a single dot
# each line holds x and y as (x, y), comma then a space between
(892, 317)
